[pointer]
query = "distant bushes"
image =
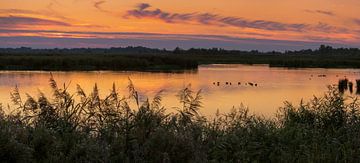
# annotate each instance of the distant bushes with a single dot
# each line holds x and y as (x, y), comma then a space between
(146, 59)
(85, 127)
(94, 62)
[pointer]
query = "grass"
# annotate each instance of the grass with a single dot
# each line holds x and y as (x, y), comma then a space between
(82, 127)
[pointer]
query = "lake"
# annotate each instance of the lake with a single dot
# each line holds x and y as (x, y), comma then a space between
(274, 85)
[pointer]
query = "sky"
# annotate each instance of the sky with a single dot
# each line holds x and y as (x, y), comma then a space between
(231, 24)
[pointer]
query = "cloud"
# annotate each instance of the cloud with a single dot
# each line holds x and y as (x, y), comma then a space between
(323, 12)
(357, 21)
(261, 24)
(324, 27)
(25, 17)
(154, 42)
(17, 11)
(322, 38)
(49, 13)
(22, 21)
(88, 34)
(144, 10)
(223, 40)
(98, 5)
(52, 12)
(143, 6)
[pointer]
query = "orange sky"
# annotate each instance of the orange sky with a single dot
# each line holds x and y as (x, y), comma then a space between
(328, 21)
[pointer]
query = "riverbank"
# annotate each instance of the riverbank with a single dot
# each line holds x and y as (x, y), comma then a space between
(94, 62)
(146, 59)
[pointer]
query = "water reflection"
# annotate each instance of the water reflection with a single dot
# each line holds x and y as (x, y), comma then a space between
(261, 88)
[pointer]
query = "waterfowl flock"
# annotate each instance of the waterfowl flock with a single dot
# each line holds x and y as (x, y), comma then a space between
(238, 83)
(343, 85)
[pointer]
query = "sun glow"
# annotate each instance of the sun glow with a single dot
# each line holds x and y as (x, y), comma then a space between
(308, 21)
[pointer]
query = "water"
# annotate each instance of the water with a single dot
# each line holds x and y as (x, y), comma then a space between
(274, 85)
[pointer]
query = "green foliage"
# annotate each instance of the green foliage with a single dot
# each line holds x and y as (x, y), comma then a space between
(83, 127)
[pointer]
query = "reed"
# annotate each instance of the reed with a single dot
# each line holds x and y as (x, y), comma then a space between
(85, 127)
(351, 87)
(358, 86)
(343, 85)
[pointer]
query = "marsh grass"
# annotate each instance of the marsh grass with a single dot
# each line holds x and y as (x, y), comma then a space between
(83, 127)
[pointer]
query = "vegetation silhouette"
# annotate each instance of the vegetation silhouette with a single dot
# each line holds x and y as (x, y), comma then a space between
(358, 86)
(146, 59)
(351, 87)
(81, 127)
(343, 85)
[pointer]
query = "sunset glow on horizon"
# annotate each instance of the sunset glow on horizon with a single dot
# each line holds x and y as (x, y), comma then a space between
(230, 24)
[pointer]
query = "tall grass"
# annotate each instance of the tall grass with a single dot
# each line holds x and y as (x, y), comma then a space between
(83, 127)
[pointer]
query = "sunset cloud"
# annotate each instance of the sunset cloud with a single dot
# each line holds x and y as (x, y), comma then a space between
(154, 41)
(181, 23)
(48, 13)
(21, 18)
(323, 12)
(357, 21)
(144, 10)
(146, 36)
(22, 21)
(98, 5)
(17, 11)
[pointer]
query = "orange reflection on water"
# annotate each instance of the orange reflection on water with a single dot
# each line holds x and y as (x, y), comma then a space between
(274, 85)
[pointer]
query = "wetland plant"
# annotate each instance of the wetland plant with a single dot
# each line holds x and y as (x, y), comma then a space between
(86, 127)
(351, 87)
(343, 85)
(358, 86)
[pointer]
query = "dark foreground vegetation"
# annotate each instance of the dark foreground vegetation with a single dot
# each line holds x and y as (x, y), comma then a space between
(84, 127)
(146, 59)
